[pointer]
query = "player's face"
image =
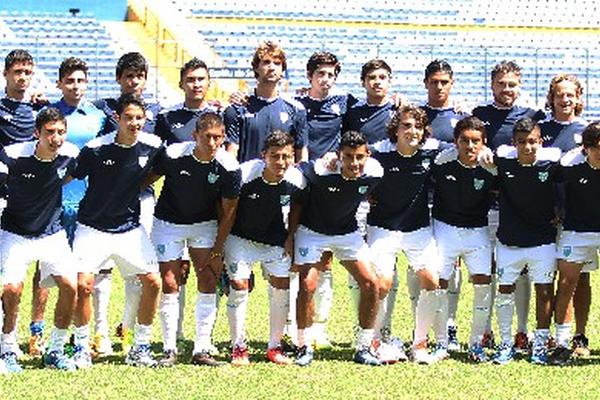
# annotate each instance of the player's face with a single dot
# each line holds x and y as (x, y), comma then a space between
(469, 143)
(132, 120)
(506, 89)
(353, 160)
(269, 70)
(18, 78)
(377, 83)
(410, 132)
(527, 145)
(73, 87)
(51, 137)
(209, 140)
(565, 100)
(132, 81)
(323, 79)
(195, 84)
(277, 161)
(438, 87)
(593, 155)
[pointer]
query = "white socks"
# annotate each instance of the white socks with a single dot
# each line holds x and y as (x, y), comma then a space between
(354, 296)
(8, 342)
(323, 297)
(142, 334)
(237, 304)
(168, 310)
(522, 299)
(206, 314)
(365, 338)
(505, 303)
(482, 300)
(82, 336)
(58, 338)
(290, 328)
(414, 288)
(181, 301)
(391, 300)
(101, 299)
(441, 318)
(563, 334)
(278, 309)
(380, 318)
(454, 285)
(425, 315)
(133, 293)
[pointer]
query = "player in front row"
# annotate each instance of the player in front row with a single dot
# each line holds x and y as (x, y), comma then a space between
(108, 224)
(202, 183)
(259, 235)
(327, 207)
(35, 172)
(526, 233)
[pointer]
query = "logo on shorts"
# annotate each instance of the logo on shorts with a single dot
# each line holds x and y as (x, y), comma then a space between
(567, 250)
(233, 268)
(284, 117)
(161, 248)
(61, 172)
(478, 183)
(543, 176)
(363, 189)
(425, 163)
(303, 251)
(284, 199)
(212, 178)
(143, 160)
(500, 272)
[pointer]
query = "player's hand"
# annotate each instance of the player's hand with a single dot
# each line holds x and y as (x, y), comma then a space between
(215, 262)
(215, 103)
(302, 91)
(238, 98)
(399, 100)
(39, 98)
(330, 161)
(486, 158)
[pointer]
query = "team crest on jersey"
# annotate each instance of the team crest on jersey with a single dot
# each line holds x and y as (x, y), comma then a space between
(212, 178)
(149, 114)
(478, 183)
(363, 189)
(284, 117)
(161, 248)
(284, 199)
(61, 172)
(543, 176)
(335, 108)
(425, 163)
(303, 251)
(567, 250)
(453, 122)
(143, 160)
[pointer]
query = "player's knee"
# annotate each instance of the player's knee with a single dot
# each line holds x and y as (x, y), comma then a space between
(67, 288)
(308, 284)
(85, 286)
(169, 284)
(369, 287)
(11, 293)
(385, 285)
(151, 282)
(239, 284)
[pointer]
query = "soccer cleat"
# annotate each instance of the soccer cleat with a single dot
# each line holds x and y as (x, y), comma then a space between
(580, 344)
(239, 356)
(420, 354)
(488, 341)
(277, 356)
(58, 360)
(521, 343)
(101, 346)
(11, 363)
(440, 353)
(453, 344)
(140, 356)
(477, 353)
(366, 356)
(504, 354)
(304, 356)
(82, 358)
(169, 359)
(390, 350)
(36, 345)
(205, 359)
(287, 345)
(560, 356)
(539, 354)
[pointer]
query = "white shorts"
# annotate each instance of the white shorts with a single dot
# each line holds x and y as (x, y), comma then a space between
(241, 254)
(170, 240)
(581, 248)
(131, 251)
(473, 245)
(493, 223)
(362, 213)
(309, 246)
(418, 246)
(52, 251)
(539, 260)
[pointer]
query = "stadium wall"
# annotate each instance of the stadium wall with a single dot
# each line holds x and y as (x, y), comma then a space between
(102, 9)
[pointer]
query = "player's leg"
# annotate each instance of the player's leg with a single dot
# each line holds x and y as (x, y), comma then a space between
(184, 274)
(454, 286)
(582, 300)
(168, 309)
(323, 299)
(522, 300)
(101, 344)
(308, 278)
(39, 299)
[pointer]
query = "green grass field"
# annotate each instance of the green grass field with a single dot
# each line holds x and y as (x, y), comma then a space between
(332, 375)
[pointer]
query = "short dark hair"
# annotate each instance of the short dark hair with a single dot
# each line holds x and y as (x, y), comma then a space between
(352, 139)
(504, 67)
(591, 135)
(469, 123)
(17, 56)
(278, 138)
(70, 65)
(322, 58)
(49, 114)
(127, 99)
(193, 64)
(414, 111)
(373, 65)
(209, 120)
(270, 49)
(132, 60)
(524, 125)
(438, 65)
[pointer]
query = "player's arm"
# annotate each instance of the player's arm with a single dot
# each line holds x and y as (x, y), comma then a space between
(150, 178)
(233, 125)
(301, 137)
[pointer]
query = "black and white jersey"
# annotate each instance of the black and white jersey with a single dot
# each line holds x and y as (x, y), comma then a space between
(564, 135)
(399, 201)
(582, 188)
(115, 174)
(259, 215)
(370, 120)
(329, 201)
(443, 121)
(17, 121)
(192, 188)
(34, 188)
(249, 125)
(461, 195)
(499, 122)
(527, 197)
(109, 107)
(324, 117)
(177, 125)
